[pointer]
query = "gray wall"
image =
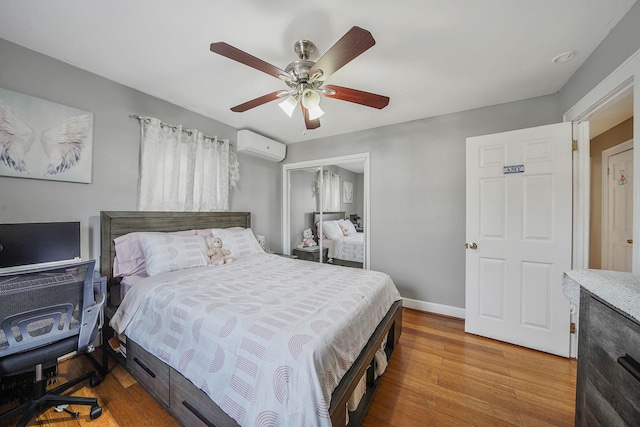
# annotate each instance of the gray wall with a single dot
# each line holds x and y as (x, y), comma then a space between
(417, 168)
(418, 191)
(115, 151)
(418, 178)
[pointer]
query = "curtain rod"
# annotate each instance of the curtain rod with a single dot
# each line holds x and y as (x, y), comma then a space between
(188, 131)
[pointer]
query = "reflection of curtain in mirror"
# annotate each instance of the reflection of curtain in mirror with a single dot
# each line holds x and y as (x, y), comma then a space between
(330, 191)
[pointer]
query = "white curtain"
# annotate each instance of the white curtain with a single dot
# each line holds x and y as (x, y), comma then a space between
(183, 169)
(328, 186)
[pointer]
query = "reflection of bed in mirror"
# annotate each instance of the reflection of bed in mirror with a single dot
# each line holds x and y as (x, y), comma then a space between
(172, 383)
(346, 250)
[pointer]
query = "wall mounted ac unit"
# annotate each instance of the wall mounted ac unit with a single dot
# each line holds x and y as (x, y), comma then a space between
(260, 146)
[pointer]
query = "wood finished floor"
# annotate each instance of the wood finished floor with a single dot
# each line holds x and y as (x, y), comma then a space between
(438, 376)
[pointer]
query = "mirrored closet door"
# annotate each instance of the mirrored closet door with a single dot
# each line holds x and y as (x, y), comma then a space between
(326, 210)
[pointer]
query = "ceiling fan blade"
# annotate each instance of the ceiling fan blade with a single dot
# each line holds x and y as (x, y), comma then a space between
(352, 44)
(310, 124)
(356, 96)
(224, 49)
(257, 102)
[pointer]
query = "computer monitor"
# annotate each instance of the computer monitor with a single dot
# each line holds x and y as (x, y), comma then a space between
(36, 243)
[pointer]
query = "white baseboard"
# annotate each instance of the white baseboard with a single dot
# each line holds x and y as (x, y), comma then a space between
(430, 307)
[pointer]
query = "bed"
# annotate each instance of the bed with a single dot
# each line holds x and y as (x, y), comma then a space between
(344, 250)
(171, 381)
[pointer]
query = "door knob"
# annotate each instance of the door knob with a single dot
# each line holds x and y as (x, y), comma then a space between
(630, 241)
(470, 246)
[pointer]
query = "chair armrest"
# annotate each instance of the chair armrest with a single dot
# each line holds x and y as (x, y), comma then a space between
(90, 317)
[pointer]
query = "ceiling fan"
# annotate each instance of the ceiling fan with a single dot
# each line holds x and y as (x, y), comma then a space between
(306, 78)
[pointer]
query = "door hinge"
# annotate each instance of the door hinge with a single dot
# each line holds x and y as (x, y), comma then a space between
(574, 145)
(572, 328)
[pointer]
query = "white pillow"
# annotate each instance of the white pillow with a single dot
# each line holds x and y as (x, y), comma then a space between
(240, 241)
(347, 227)
(332, 230)
(166, 252)
(129, 259)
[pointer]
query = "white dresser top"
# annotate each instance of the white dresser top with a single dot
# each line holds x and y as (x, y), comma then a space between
(621, 290)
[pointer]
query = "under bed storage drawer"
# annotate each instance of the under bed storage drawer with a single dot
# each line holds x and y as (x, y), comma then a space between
(192, 407)
(151, 372)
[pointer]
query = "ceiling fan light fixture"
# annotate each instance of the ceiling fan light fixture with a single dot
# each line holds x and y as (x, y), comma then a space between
(305, 78)
(288, 105)
(310, 99)
(315, 112)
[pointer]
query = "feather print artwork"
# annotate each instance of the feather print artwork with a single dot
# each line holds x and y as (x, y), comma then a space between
(54, 150)
(63, 144)
(16, 139)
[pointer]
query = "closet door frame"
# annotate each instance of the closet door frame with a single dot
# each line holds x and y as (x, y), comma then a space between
(333, 161)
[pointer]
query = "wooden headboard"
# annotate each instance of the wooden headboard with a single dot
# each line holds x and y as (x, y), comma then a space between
(118, 223)
(327, 216)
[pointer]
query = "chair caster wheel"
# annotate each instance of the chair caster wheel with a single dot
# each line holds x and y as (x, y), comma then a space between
(94, 381)
(96, 411)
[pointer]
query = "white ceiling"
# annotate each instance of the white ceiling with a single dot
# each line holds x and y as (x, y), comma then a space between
(431, 57)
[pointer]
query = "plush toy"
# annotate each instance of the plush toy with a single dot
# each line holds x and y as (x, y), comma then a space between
(217, 254)
(307, 240)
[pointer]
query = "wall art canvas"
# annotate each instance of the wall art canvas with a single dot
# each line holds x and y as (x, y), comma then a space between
(43, 140)
(347, 192)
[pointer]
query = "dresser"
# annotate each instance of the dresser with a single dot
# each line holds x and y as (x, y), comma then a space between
(608, 381)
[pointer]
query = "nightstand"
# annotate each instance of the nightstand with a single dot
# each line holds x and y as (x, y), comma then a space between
(286, 256)
(311, 253)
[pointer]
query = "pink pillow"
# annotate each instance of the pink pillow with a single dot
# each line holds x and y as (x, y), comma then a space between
(129, 259)
(203, 232)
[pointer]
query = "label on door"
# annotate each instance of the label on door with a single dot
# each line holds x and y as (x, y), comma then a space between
(512, 169)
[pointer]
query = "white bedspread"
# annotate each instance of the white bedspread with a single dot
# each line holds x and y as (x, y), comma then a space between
(349, 248)
(268, 338)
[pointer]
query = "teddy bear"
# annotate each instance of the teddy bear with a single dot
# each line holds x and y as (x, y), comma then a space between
(307, 239)
(217, 254)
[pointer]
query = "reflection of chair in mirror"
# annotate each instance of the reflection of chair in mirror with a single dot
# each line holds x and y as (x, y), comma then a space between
(45, 313)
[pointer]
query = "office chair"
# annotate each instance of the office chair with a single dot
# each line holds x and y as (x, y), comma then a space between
(45, 313)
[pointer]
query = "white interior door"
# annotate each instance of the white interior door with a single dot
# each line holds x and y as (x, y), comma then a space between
(519, 221)
(617, 218)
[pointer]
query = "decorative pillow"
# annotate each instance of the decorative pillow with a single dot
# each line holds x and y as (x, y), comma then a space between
(129, 259)
(331, 229)
(165, 252)
(204, 232)
(240, 241)
(348, 229)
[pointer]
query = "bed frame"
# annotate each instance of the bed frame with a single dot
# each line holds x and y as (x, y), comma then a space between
(184, 401)
(331, 216)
